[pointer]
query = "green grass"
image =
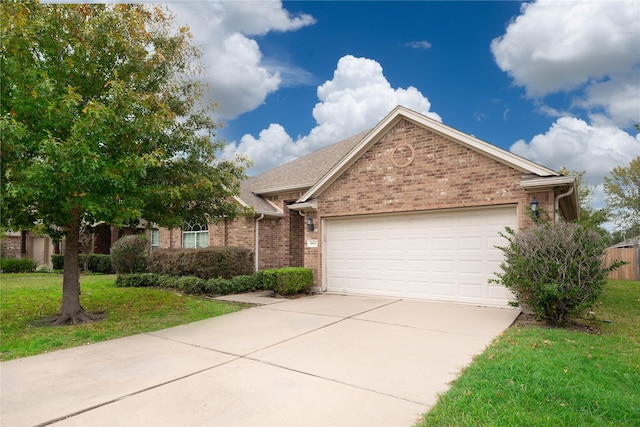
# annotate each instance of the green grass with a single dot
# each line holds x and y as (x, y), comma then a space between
(25, 299)
(538, 376)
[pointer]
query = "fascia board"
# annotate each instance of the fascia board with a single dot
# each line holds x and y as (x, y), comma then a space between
(400, 112)
(548, 182)
(350, 158)
(241, 202)
(285, 189)
(311, 205)
(268, 214)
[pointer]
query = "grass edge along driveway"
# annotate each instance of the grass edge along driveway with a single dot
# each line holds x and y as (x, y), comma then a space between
(25, 299)
(538, 376)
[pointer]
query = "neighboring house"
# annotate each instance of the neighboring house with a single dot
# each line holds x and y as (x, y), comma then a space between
(24, 244)
(411, 208)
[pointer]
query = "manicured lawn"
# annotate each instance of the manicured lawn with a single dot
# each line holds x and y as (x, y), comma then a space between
(538, 376)
(27, 298)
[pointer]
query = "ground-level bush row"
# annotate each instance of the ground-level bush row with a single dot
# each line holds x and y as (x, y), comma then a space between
(284, 281)
(95, 263)
(17, 265)
(130, 256)
(205, 263)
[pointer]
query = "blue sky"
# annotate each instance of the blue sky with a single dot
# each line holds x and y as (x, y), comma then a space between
(557, 82)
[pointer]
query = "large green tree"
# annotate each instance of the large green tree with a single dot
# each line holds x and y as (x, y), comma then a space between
(622, 186)
(101, 121)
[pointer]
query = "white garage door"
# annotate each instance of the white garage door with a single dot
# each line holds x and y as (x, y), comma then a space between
(444, 255)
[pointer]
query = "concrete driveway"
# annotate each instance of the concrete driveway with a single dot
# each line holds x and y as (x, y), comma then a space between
(326, 360)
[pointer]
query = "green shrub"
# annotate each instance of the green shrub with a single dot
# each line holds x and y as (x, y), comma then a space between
(130, 254)
(205, 263)
(57, 261)
(96, 263)
(235, 285)
(18, 265)
(139, 280)
(100, 263)
(288, 281)
(270, 279)
(190, 284)
(555, 270)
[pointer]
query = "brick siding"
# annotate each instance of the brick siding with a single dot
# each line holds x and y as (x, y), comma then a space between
(408, 169)
(413, 169)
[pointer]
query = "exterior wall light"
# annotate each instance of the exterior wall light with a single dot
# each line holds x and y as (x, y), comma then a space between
(310, 225)
(534, 208)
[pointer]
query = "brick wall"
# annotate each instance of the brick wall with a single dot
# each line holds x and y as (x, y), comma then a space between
(407, 169)
(412, 169)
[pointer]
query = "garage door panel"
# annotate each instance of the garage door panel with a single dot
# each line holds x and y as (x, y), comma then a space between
(446, 256)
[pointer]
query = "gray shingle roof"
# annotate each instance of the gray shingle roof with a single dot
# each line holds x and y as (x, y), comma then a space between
(301, 173)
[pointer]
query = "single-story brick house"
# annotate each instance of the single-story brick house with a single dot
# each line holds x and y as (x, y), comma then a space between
(411, 208)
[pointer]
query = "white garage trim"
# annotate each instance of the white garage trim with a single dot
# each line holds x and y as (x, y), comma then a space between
(446, 255)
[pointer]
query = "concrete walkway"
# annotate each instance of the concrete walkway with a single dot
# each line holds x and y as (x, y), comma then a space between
(325, 360)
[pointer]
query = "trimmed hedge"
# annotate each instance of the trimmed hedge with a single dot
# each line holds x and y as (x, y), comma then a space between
(58, 261)
(205, 263)
(288, 280)
(100, 263)
(192, 284)
(96, 263)
(18, 265)
(284, 281)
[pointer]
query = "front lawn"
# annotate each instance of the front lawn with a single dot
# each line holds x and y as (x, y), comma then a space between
(25, 299)
(538, 376)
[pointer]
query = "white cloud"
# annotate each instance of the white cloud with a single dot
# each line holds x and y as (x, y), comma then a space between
(419, 44)
(555, 46)
(590, 50)
(619, 98)
(237, 76)
(574, 143)
(558, 45)
(357, 97)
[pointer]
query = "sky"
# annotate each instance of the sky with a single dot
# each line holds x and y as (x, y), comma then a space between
(557, 82)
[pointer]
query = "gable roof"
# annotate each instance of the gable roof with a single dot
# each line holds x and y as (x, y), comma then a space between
(297, 175)
(315, 172)
(400, 113)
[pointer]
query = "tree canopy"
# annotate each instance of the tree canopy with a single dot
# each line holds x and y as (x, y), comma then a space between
(622, 186)
(101, 121)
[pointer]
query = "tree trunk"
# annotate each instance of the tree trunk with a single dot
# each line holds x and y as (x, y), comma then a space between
(72, 312)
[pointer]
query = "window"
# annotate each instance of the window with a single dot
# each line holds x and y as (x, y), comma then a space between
(155, 239)
(195, 235)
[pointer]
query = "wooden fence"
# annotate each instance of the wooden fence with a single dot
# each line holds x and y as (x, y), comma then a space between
(629, 271)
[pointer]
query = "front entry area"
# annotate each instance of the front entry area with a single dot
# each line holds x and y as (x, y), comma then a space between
(444, 255)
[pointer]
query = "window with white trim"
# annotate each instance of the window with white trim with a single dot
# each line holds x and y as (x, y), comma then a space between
(155, 239)
(195, 235)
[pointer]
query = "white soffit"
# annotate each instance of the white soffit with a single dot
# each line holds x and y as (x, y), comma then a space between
(533, 183)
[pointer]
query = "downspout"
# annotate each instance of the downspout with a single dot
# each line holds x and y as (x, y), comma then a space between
(258, 240)
(557, 204)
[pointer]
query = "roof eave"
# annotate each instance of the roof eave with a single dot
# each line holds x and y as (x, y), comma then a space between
(533, 183)
(311, 205)
(285, 189)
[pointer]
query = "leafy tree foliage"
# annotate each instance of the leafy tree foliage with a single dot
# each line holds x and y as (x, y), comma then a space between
(130, 254)
(623, 194)
(101, 121)
(555, 270)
